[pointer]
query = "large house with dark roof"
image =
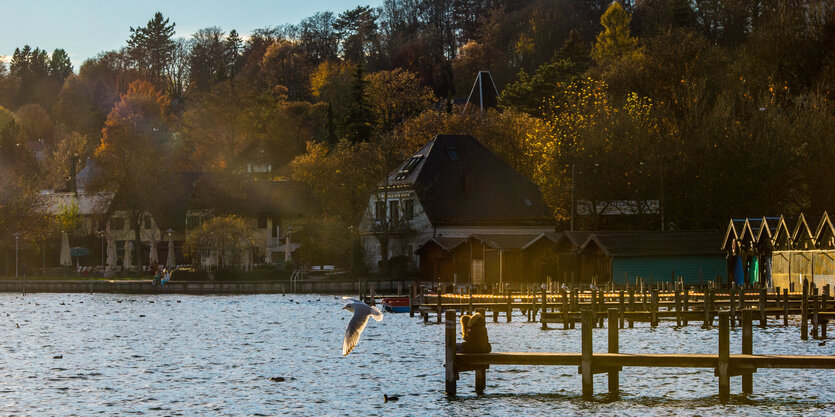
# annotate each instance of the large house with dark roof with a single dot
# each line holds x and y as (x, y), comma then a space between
(451, 188)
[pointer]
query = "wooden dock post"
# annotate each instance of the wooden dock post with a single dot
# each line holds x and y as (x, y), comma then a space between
(601, 307)
(412, 300)
(621, 308)
(631, 306)
(593, 304)
(654, 309)
(686, 295)
(575, 304)
(677, 296)
(732, 303)
(449, 363)
(509, 308)
(587, 352)
(706, 303)
(470, 299)
(564, 309)
(614, 375)
(747, 349)
(439, 297)
(724, 358)
(804, 311)
(763, 303)
(544, 308)
(815, 310)
(785, 307)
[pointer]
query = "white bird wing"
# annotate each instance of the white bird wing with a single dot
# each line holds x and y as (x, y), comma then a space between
(357, 324)
(352, 333)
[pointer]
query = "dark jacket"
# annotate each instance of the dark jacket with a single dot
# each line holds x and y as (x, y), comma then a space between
(475, 334)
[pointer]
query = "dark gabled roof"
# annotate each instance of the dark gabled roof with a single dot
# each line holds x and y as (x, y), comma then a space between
(445, 243)
(680, 243)
(802, 230)
(768, 228)
(574, 238)
(460, 182)
(504, 241)
(553, 237)
(732, 233)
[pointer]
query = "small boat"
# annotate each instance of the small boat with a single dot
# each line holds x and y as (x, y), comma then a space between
(396, 304)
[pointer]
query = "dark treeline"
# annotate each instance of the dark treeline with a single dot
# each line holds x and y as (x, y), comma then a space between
(717, 108)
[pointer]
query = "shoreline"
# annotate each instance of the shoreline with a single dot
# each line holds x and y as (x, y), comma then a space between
(382, 286)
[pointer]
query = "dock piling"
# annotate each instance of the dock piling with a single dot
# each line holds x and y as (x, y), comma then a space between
(724, 358)
(614, 375)
(449, 338)
(586, 354)
(747, 349)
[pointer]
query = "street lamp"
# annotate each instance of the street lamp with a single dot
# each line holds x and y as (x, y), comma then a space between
(16, 250)
(101, 235)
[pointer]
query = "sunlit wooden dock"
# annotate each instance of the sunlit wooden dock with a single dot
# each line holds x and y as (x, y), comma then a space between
(724, 364)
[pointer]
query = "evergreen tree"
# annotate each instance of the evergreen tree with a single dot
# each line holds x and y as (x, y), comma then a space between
(60, 66)
(359, 120)
(615, 40)
(152, 47)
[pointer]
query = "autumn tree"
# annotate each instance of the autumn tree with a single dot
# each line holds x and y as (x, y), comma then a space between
(615, 41)
(226, 238)
(135, 154)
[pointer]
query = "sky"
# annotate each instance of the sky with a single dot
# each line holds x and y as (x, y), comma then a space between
(86, 27)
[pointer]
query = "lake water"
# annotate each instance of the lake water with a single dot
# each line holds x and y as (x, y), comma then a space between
(215, 355)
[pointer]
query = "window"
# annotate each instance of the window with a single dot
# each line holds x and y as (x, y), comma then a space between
(452, 153)
(193, 221)
(147, 222)
(117, 223)
(380, 210)
(408, 209)
(407, 169)
(394, 211)
(262, 222)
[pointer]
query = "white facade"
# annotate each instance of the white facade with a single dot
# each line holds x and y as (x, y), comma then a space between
(407, 235)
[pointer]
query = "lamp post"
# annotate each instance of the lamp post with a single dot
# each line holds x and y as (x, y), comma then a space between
(101, 235)
(170, 250)
(16, 250)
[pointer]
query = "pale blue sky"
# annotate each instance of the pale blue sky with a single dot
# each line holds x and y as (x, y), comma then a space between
(86, 27)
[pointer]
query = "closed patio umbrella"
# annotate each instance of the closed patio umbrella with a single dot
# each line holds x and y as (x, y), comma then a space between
(111, 250)
(153, 257)
(171, 261)
(66, 259)
(128, 246)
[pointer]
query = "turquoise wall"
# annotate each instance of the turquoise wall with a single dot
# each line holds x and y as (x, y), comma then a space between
(660, 268)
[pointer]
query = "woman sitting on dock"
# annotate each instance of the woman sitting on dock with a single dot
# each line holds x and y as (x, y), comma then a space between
(474, 332)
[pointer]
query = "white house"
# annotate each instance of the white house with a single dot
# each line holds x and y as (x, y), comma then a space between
(452, 187)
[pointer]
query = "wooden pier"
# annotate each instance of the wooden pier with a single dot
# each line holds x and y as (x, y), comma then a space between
(700, 306)
(612, 362)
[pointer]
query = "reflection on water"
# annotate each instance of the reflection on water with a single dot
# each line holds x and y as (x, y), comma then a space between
(76, 354)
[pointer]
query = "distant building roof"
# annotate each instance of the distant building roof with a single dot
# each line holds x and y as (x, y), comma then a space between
(460, 182)
(484, 94)
(679, 243)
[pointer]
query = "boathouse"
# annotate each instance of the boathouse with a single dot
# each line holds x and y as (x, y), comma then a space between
(780, 255)
(651, 256)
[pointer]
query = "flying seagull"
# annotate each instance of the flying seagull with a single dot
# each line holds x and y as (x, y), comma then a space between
(361, 313)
